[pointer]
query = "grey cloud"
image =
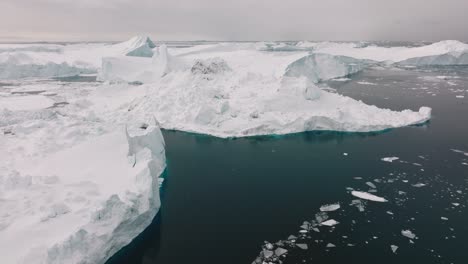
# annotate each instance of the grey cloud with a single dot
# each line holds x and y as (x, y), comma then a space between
(234, 20)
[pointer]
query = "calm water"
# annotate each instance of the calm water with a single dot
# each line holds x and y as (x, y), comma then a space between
(223, 198)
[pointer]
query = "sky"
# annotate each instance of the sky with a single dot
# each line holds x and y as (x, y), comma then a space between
(113, 20)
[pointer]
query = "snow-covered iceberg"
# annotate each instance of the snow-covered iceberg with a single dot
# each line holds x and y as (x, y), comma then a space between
(452, 58)
(54, 60)
(79, 202)
(392, 54)
(139, 46)
(237, 91)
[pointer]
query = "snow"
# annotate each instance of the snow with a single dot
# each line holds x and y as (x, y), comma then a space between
(81, 204)
(368, 196)
(230, 90)
(77, 182)
(29, 102)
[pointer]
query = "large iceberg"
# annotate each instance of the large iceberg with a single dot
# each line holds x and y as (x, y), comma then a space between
(237, 91)
(54, 60)
(77, 195)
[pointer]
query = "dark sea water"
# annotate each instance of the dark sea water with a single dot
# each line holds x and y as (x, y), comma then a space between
(222, 199)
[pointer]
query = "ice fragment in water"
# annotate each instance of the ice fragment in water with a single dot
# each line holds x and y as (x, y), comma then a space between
(408, 234)
(330, 222)
(280, 251)
(419, 185)
(390, 159)
(368, 196)
(330, 207)
(370, 184)
(302, 246)
(394, 248)
(330, 245)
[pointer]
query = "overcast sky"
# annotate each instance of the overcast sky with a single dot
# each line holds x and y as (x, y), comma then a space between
(101, 20)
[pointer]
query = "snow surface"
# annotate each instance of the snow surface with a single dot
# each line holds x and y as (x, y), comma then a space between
(76, 184)
(234, 90)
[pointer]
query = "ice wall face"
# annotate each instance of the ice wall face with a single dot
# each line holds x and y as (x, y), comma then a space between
(438, 60)
(46, 61)
(317, 67)
(82, 203)
(139, 46)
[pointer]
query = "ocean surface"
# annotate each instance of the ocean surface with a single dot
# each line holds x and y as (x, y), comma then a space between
(225, 200)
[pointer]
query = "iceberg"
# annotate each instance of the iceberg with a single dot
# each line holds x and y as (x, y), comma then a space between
(54, 60)
(138, 46)
(83, 203)
(237, 91)
(452, 58)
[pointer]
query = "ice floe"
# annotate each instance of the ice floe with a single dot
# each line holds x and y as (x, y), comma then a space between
(368, 196)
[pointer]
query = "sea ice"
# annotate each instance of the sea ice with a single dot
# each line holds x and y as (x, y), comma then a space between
(390, 159)
(368, 196)
(408, 234)
(330, 207)
(330, 222)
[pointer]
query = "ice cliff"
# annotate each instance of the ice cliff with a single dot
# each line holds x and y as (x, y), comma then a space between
(79, 204)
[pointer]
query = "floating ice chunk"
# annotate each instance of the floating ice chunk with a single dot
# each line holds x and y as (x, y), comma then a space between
(370, 184)
(394, 248)
(408, 234)
(390, 159)
(345, 154)
(460, 151)
(419, 185)
(359, 204)
(460, 96)
(455, 204)
(444, 218)
(330, 207)
(280, 251)
(302, 246)
(341, 79)
(268, 253)
(367, 83)
(368, 196)
(330, 222)
(331, 245)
